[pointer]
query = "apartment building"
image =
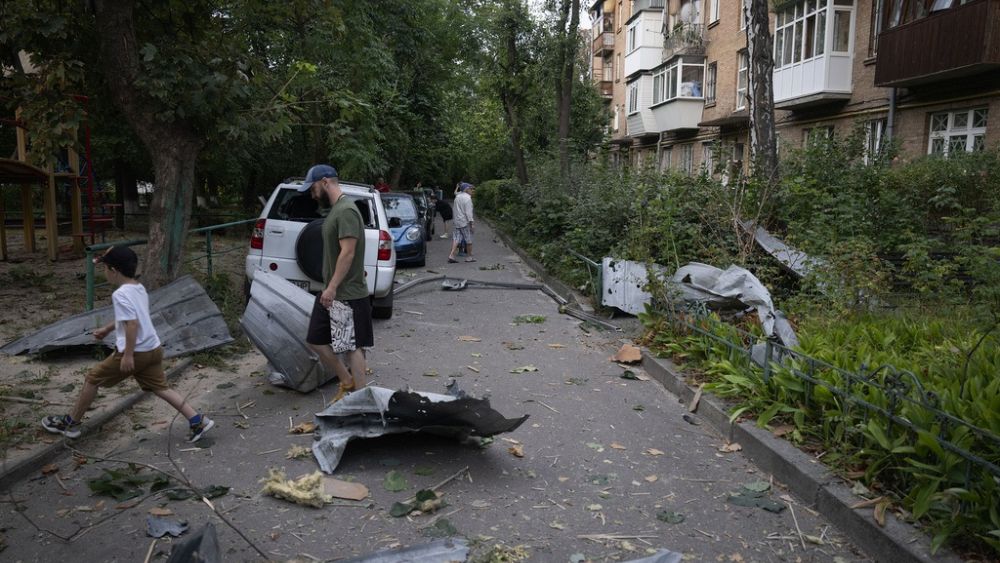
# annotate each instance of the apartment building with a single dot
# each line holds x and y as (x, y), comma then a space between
(918, 71)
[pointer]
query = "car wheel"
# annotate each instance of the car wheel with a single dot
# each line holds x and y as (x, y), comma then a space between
(382, 308)
(309, 250)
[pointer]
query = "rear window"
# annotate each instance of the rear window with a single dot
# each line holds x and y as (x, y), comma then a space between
(402, 207)
(290, 205)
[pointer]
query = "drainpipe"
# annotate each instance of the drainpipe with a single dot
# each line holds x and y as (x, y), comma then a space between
(659, 147)
(892, 114)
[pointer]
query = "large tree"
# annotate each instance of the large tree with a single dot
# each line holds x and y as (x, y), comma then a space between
(760, 99)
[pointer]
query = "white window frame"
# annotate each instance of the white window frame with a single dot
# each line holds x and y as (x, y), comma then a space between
(742, 68)
(632, 98)
(713, 11)
(659, 89)
(789, 33)
(874, 139)
(631, 37)
(743, 14)
(947, 129)
(708, 157)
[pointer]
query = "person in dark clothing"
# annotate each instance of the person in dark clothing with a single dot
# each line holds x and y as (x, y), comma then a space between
(442, 208)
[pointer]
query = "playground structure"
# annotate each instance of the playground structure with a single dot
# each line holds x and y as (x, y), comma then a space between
(72, 173)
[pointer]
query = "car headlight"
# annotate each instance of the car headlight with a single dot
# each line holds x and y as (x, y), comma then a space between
(413, 233)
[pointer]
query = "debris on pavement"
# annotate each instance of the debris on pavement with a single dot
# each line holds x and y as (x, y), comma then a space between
(426, 501)
(696, 399)
(157, 527)
(201, 546)
(730, 447)
(306, 490)
(184, 316)
(394, 482)
(347, 490)
(754, 495)
(627, 354)
(661, 556)
(303, 428)
(442, 528)
(670, 517)
(451, 550)
(376, 411)
(298, 452)
(524, 369)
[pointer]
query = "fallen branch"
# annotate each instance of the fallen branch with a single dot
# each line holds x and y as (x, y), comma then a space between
(32, 401)
(796, 521)
(441, 484)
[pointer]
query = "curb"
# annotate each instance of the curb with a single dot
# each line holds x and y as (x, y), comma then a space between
(12, 474)
(806, 477)
(565, 291)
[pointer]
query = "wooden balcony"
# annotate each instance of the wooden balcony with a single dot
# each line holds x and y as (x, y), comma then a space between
(948, 44)
(604, 42)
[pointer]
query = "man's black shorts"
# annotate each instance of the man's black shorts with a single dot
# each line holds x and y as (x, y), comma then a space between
(319, 323)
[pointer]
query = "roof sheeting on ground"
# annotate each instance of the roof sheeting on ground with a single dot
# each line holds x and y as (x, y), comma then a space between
(184, 316)
(276, 321)
(376, 411)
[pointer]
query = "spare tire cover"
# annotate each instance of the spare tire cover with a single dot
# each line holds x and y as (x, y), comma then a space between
(309, 250)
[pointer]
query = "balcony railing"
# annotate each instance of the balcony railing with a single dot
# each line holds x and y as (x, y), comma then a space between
(606, 88)
(604, 42)
(944, 45)
(684, 39)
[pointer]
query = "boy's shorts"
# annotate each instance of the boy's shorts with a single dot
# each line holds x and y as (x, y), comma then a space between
(345, 326)
(148, 371)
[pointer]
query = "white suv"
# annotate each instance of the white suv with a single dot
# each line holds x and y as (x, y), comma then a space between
(287, 241)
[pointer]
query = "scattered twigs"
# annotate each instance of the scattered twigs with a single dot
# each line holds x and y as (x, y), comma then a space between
(796, 521)
(605, 537)
(149, 552)
(548, 407)
(442, 483)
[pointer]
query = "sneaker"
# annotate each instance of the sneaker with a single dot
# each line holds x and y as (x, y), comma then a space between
(199, 430)
(59, 425)
(444, 235)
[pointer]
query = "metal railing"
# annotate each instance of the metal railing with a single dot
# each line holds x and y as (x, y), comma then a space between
(899, 387)
(208, 256)
(684, 39)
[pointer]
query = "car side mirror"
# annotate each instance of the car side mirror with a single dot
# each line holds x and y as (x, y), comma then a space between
(395, 222)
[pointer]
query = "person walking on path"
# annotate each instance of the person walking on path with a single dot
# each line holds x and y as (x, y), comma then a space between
(463, 225)
(442, 208)
(138, 353)
(341, 320)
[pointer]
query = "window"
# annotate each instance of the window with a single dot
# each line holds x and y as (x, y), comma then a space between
(874, 137)
(800, 32)
(874, 28)
(665, 159)
(618, 110)
(741, 80)
(618, 75)
(633, 97)
(744, 6)
(897, 12)
(713, 11)
(955, 131)
(682, 78)
(841, 31)
(710, 83)
(811, 136)
(658, 77)
(630, 37)
(708, 157)
(687, 158)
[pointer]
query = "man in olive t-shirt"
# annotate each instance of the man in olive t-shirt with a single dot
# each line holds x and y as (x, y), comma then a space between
(341, 320)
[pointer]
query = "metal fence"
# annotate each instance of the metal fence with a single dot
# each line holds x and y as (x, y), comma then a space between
(899, 387)
(210, 252)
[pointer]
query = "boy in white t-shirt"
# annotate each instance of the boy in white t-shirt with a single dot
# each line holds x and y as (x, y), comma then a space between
(137, 351)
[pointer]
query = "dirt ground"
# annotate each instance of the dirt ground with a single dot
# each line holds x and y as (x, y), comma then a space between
(35, 292)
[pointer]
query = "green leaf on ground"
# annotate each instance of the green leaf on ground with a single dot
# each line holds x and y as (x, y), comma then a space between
(629, 374)
(441, 529)
(423, 470)
(529, 319)
(394, 481)
(524, 369)
(670, 517)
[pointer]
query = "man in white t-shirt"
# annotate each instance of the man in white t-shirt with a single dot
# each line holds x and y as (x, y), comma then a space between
(137, 353)
(462, 224)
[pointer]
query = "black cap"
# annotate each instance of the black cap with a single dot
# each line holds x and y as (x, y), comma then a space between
(121, 258)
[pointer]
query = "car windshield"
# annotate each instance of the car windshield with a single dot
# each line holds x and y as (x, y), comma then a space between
(399, 206)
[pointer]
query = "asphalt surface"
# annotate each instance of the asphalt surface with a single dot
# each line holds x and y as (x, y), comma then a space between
(603, 456)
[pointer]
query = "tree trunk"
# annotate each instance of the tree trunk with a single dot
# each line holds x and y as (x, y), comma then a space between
(511, 99)
(564, 86)
(173, 146)
(763, 142)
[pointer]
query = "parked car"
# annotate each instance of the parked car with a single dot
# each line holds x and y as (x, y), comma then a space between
(425, 210)
(287, 241)
(405, 226)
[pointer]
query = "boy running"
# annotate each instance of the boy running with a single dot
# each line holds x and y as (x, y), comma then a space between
(137, 352)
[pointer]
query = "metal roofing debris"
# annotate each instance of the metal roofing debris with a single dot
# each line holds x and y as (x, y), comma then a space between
(798, 262)
(440, 551)
(376, 411)
(624, 284)
(184, 316)
(276, 321)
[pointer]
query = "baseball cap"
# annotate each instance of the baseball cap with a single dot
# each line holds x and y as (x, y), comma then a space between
(317, 173)
(464, 186)
(121, 258)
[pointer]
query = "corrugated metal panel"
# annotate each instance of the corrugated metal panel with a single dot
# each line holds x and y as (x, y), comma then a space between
(184, 316)
(276, 321)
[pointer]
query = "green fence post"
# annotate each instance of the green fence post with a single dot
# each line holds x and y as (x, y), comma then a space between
(208, 251)
(90, 279)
